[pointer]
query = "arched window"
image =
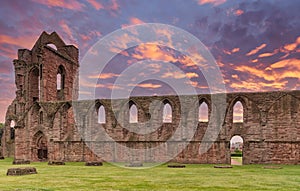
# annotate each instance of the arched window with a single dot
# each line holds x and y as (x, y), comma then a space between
(238, 112)
(133, 113)
(101, 115)
(41, 118)
(167, 113)
(12, 129)
(34, 84)
(203, 112)
(60, 78)
(52, 46)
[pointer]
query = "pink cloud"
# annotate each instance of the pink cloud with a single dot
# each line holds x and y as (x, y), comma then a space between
(96, 4)
(214, 2)
(68, 4)
(238, 12)
(20, 41)
(67, 30)
(114, 5)
(133, 21)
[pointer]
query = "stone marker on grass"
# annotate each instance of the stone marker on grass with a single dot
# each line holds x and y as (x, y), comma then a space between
(56, 163)
(94, 163)
(21, 171)
(16, 161)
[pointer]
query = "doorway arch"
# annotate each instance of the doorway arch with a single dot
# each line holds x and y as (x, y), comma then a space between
(40, 147)
(236, 150)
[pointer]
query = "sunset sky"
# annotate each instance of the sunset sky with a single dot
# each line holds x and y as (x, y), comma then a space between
(255, 43)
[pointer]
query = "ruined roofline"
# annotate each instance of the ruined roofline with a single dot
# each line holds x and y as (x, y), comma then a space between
(62, 55)
(160, 96)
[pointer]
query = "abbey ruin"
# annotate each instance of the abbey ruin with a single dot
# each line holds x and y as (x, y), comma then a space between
(44, 126)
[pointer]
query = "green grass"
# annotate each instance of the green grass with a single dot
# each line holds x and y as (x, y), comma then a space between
(76, 176)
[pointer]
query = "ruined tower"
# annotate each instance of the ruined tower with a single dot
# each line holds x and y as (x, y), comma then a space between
(46, 73)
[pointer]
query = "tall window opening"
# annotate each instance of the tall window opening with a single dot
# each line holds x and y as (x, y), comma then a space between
(238, 112)
(133, 113)
(203, 112)
(167, 113)
(12, 129)
(40, 80)
(34, 84)
(60, 82)
(101, 115)
(60, 78)
(41, 118)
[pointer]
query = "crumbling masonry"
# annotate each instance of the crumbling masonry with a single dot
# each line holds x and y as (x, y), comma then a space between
(44, 126)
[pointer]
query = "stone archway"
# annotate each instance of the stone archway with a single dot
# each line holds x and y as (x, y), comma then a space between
(236, 150)
(40, 147)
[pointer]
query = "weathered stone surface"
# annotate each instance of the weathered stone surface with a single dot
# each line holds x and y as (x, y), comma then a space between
(21, 171)
(46, 130)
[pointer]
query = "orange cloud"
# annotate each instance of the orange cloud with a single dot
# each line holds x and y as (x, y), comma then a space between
(175, 75)
(268, 54)
(235, 50)
(256, 50)
(235, 76)
(103, 76)
(155, 52)
(191, 75)
(276, 76)
(214, 2)
(252, 85)
(68, 4)
(292, 46)
(147, 85)
(152, 51)
(96, 4)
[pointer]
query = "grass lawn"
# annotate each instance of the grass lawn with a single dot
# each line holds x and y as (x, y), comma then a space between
(76, 176)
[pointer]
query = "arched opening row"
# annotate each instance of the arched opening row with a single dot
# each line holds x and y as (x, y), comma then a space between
(203, 113)
(167, 113)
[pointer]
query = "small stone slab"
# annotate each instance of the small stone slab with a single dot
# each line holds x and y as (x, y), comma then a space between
(56, 163)
(272, 167)
(176, 166)
(222, 166)
(94, 163)
(21, 171)
(21, 162)
(134, 164)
